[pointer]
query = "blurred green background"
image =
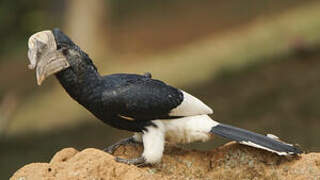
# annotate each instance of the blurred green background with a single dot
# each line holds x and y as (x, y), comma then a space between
(256, 63)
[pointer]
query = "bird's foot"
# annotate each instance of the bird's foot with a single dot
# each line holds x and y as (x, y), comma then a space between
(140, 161)
(112, 148)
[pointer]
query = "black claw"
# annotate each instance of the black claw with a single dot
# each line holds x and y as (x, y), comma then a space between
(112, 148)
(140, 161)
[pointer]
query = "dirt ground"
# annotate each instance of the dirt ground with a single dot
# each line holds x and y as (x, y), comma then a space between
(231, 161)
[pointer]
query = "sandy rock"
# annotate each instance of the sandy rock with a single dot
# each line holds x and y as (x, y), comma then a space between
(63, 155)
(231, 161)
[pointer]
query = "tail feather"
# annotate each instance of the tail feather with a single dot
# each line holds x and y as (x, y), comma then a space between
(255, 140)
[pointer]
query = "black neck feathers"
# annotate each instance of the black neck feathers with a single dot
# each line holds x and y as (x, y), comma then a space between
(80, 80)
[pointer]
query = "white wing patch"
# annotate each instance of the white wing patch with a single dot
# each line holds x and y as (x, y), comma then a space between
(190, 106)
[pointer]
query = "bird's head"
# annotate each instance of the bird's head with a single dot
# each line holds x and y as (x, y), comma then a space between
(51, 52)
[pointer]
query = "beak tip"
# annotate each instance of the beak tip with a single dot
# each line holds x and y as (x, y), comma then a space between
(40, 80)
(39, 83)
(31, 66)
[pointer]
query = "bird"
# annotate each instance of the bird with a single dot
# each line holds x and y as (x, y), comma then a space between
(154, 111)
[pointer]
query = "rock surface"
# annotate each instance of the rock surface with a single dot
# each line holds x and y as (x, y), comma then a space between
(231, 161)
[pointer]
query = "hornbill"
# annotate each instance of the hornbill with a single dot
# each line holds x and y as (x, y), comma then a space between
(155, 111)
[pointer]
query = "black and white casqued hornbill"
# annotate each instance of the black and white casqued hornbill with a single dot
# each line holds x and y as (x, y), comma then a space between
(155, 111)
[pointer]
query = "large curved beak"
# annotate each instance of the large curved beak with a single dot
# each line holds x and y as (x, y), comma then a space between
(44, 56)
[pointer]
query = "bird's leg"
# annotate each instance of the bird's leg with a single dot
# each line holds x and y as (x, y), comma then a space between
(140, 161)
(136, 139)
(153, 143)
(130, 140)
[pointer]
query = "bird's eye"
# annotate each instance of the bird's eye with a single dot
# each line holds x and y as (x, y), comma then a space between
(65, 51)
(58, 46)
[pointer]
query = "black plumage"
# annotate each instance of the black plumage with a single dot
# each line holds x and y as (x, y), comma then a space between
(124, 101)
(135, 102)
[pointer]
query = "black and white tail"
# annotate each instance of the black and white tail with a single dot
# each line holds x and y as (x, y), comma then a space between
(255, 140)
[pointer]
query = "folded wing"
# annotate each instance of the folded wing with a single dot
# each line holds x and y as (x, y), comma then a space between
(142, 98)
